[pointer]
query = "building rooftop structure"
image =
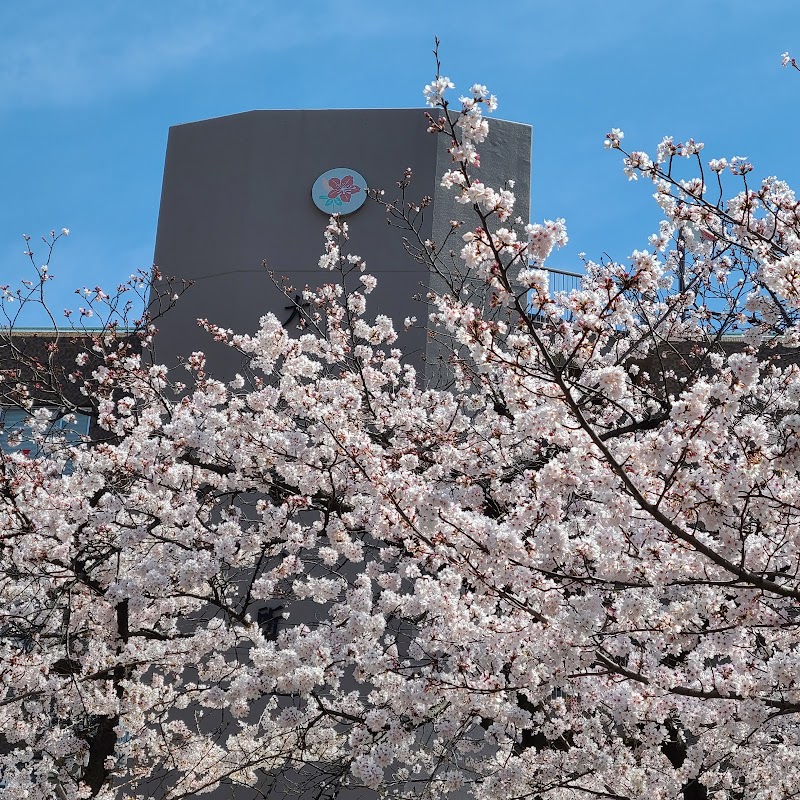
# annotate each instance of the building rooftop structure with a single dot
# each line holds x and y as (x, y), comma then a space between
(240, 210)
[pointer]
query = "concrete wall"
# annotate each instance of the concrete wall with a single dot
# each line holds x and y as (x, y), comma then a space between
(237, 192)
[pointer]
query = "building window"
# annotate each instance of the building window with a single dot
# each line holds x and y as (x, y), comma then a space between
(16, 435)
(268, 619)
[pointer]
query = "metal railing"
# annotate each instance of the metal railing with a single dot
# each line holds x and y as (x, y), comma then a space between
(563, 281)
(560, 280)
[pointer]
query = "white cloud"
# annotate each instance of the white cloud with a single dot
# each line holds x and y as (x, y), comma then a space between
(86, 51)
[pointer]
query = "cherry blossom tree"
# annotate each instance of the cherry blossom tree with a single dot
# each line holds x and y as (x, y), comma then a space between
(573, 575)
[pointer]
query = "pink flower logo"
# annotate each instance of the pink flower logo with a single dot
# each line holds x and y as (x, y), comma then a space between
(342, 189)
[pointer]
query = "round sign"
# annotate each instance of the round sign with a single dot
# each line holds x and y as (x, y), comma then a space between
(339, 191)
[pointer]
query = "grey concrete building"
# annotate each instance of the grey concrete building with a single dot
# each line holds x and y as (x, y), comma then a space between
(237, 192)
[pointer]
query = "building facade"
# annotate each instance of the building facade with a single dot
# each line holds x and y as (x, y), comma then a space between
(241, 199)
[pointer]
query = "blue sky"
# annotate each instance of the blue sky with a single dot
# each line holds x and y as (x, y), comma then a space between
(89, 89)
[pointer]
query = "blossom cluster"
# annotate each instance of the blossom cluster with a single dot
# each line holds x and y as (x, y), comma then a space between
(574, 572)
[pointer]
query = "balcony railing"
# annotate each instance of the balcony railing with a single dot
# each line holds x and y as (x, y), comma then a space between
(563, 281)
(560, 280)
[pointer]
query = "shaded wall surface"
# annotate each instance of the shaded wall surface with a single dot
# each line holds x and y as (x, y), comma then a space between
(237, 192)
(42, 361)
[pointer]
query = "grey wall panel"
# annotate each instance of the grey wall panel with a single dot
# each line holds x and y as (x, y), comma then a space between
(236, 193)
(505, 156)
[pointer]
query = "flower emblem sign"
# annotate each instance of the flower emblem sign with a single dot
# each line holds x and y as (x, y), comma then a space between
(339, 191)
